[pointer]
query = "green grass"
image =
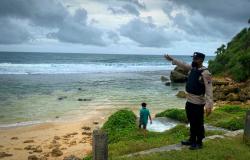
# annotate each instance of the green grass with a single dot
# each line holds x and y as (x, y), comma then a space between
(134, 139)
(173, 113)
(228, 116)
(139, 142)
(233, 59)
(217, 149)
(120, 125)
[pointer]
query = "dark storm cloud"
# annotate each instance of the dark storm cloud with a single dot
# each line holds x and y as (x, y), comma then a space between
(48, 14)
(200, 26)
(212, 19)
(147, 34)
(10, 34)
(76, 30)
(230, 10)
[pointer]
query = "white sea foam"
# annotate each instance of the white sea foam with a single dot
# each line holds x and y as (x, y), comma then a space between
(161, 124)
(9, 68)
(19, 124)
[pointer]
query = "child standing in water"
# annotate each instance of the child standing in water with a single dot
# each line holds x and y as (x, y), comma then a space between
(144, 115)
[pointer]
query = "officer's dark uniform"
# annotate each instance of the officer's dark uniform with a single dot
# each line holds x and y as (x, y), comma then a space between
(195, 112)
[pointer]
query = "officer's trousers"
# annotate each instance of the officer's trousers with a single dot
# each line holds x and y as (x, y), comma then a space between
(195, 115)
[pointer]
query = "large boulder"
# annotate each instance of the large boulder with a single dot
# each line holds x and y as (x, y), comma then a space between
(164, 79)
(178, 75)
(181, 94)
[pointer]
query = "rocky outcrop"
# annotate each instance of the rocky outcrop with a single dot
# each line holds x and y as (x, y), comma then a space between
(84, 99)
(56, 152)
(29, 141)
(227, 90)
(164, 79)
(178, 75)
(62, 97)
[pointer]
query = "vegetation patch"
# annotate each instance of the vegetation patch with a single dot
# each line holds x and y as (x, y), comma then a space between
(128, 138)
(233, 58)
(216, 149)
(120, 125)
(230, 117)
(173, 113)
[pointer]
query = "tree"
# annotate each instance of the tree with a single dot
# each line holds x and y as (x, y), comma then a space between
(221, 49)
(249, 21)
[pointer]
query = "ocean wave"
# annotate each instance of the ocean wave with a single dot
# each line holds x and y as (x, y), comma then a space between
(9, 68)
(14, 68)
(19, 124)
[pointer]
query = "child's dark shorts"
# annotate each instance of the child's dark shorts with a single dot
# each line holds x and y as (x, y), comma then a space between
(143, 125)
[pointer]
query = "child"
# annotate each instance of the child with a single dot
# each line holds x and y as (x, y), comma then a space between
(144, 115)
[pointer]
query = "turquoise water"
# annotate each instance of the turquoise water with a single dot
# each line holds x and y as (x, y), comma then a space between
(32, 84)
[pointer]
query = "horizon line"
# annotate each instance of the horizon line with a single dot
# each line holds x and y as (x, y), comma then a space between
(97, 53)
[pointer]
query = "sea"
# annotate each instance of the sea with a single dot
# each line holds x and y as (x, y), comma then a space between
(45, 87)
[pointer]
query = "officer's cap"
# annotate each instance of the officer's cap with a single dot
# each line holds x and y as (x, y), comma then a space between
(199, 55)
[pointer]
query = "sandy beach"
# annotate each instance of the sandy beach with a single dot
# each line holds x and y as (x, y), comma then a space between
(71, 138)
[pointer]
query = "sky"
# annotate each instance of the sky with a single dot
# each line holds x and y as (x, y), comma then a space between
(120, 26)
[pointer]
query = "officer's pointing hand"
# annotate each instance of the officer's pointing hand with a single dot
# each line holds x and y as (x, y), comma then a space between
(168, 57)
(208, 111)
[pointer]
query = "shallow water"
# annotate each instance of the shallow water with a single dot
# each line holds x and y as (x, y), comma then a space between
(38, 87)
(161, 124)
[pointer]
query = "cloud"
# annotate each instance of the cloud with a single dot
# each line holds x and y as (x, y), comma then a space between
(147, 34)
(131, 9)
(13, 33)
(117, 10)
(76, 30)
(49, 14)
(204, 27)
(113, 36)
(208, 20)
(139, 3)
(125, 9)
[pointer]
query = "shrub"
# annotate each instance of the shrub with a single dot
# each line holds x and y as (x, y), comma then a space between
(176, 114)
(119, 125)
(233, 59)
(231, 109)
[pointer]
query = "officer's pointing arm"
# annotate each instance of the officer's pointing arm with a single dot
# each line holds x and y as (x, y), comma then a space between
(179, 63)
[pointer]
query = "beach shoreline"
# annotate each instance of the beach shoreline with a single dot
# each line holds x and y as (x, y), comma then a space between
(71, 137)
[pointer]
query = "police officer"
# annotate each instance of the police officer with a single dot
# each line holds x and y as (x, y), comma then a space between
(199, 96)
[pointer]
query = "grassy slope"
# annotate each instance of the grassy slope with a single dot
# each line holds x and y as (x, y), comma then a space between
(218, 149)
(229, 116)
(127, 138)
(233, 59)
